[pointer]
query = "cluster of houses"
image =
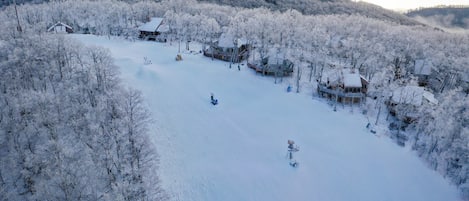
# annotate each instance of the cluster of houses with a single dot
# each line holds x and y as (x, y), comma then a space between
(348, 87)
(341, 84)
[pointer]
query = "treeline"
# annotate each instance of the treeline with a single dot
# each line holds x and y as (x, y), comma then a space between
(307, 7)
(68, 129)
(108, 17)
(9, 2)
(324, 7)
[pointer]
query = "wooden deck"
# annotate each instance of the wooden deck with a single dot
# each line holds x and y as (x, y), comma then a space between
(339, 93)
(278, 70)
(227, 56)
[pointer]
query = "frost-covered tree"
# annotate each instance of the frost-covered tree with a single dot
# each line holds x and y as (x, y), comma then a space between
(68, 130)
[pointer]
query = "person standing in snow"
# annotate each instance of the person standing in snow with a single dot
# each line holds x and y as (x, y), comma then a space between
(291, 149)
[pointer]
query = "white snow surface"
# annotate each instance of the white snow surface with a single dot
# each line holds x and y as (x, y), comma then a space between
(237, 149)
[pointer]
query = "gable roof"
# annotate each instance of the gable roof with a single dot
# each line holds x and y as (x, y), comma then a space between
(163, 28)
(342, 76)
(352, 79)
(275, 57)
(58, 24)
(152, 25)
(408, 95)
(227, 40)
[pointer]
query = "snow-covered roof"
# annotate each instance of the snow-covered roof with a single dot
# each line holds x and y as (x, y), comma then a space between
(352, 79)
(274, 60)
(58, 24)
(227, 40)
(152, 25)
(275, 57)
(363, 78)
(408, 95)
(413, 95)
(163, 28)
(422, 67)
(331, 77)
(430, 97)
(345, 76)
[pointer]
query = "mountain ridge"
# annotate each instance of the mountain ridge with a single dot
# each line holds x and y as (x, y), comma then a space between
(324, 7)
(445, 16)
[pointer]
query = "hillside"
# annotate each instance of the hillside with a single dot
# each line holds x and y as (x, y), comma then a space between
(237, 149)
(447, 17)
(8, 2)
(324, 7)
(308, 7)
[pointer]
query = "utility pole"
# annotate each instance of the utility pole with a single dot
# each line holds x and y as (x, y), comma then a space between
(18, 27)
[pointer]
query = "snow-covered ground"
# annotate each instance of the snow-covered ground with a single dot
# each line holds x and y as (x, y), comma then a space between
(237, 149)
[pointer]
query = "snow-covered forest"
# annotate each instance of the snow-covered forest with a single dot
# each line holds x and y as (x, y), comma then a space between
(384, 52)
(68, 129)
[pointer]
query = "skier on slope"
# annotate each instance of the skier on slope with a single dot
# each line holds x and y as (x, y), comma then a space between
(213, 100)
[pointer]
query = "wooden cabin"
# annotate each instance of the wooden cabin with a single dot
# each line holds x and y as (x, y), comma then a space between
(60, 27)
(154, 30)
(273, 66)
(410, 97)
(343, 85)
(227, 48)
